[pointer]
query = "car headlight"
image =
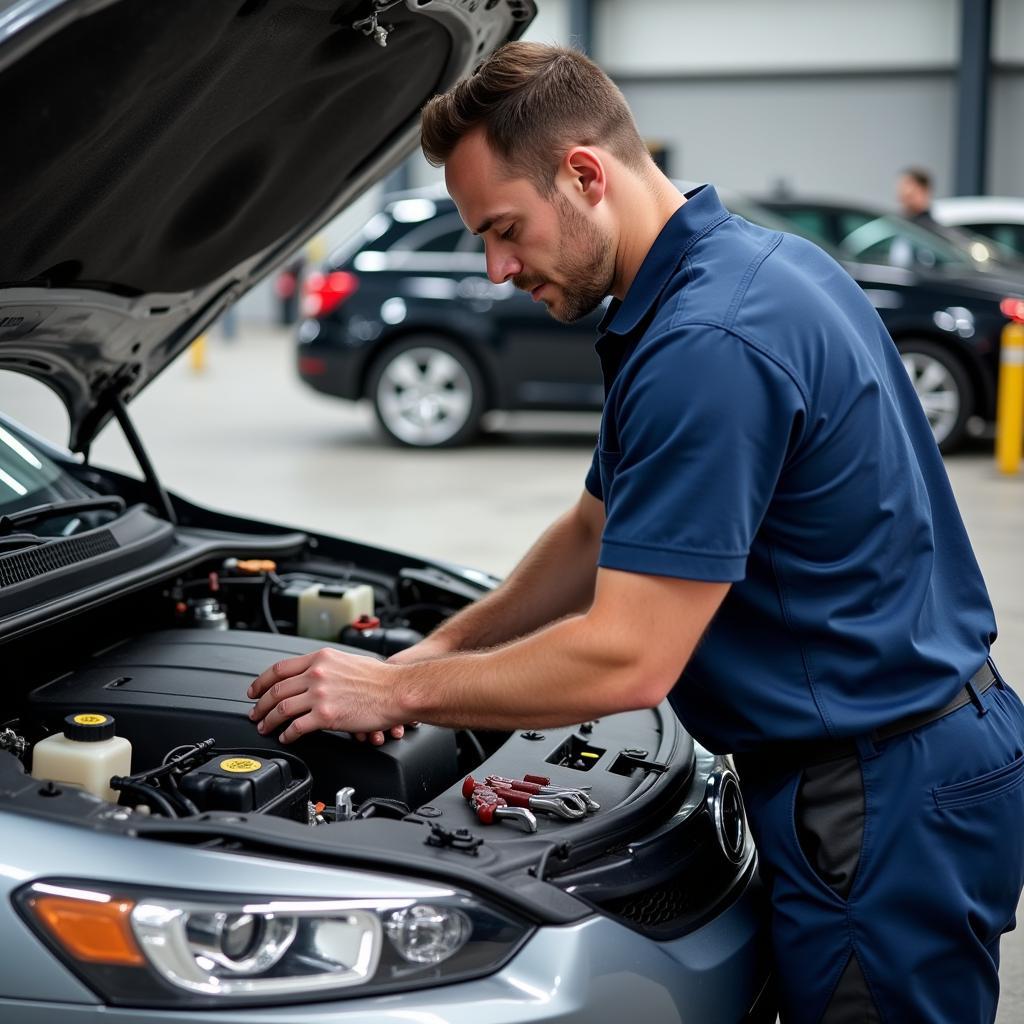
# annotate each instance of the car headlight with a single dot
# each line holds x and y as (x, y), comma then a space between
(140, 947)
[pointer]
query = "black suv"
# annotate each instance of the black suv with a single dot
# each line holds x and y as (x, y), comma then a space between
(405, 315)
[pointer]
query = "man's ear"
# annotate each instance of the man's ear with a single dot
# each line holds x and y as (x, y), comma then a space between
(585, 171)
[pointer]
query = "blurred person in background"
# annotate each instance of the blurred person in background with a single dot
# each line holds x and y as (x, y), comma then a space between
(766, 537)
(914, 191)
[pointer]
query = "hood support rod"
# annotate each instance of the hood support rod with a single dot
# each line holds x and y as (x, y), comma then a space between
(162, 501)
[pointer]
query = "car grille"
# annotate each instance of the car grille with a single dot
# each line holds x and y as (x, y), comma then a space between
(57, 554)
(679, 899)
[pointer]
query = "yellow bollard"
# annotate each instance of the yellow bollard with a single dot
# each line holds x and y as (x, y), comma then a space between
(197, 354)
(1010, 403)
(316, 250)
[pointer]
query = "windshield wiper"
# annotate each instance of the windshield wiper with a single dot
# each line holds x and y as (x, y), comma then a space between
(59, 508)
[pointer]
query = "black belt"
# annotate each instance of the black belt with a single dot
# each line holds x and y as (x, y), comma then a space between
(803, 753)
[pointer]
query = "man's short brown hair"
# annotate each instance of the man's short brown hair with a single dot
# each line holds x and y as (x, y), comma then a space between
(534, 102)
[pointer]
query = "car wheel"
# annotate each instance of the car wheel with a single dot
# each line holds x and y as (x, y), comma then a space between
(427, 393)
(943, 386)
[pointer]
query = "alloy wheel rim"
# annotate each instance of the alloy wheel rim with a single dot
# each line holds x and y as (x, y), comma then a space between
(424, 396)
(937, 391)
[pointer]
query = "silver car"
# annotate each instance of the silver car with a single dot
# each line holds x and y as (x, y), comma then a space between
(162, 860)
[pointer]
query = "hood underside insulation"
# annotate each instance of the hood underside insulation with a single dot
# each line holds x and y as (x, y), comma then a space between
(153, 145)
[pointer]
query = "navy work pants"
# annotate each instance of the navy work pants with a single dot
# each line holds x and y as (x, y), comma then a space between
(893, 872)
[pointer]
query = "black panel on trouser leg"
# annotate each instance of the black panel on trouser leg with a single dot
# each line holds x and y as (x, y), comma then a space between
(829, 820)
(851, 1003)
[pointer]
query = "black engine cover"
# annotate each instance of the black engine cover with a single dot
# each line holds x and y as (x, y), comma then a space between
(180, 686)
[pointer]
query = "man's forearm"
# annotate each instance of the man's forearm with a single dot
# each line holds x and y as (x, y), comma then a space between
(555, 578)
(583, 666)
(570, 672)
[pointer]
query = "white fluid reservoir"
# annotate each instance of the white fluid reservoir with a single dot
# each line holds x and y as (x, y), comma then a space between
(86, 754)
(325, 611)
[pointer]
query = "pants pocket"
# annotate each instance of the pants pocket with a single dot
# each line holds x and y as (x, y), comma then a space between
(982, 787)
(828, 816)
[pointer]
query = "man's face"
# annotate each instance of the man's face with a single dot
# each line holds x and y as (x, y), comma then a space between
(913, 198)
(544, 246)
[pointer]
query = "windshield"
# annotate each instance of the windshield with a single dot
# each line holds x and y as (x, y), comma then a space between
(28, 477)
(765, 218)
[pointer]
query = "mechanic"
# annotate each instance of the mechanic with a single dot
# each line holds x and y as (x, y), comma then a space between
(766, 536)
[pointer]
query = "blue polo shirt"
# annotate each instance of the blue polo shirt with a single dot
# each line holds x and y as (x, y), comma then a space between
(759, 429)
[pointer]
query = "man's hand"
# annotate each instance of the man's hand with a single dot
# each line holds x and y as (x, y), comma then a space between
(431, 647)
(326, 690)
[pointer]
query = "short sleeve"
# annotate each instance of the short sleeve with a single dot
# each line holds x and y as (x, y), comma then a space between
(704, 422)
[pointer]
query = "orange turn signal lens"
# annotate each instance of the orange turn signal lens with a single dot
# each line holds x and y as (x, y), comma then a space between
(98, 933)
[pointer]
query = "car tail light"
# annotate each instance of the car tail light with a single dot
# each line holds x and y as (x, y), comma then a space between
(312, 366)
(1013, 308)
(324, 292)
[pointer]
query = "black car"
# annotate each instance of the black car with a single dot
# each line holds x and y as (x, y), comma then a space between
(864, 234)
(405, 315)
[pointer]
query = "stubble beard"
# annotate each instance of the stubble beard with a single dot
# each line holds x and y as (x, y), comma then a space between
(585, 261)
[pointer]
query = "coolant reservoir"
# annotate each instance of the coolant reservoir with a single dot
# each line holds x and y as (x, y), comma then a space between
(325, 611)
(86, 754)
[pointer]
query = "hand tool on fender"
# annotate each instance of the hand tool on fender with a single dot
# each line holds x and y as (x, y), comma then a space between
(490, 807)
(578, 796)
(574, 799)
(543, 780)
(570, 810)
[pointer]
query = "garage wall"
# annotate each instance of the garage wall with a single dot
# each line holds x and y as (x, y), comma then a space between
(1006, 143)
(690, 36)
(841, 136)
(1008, 31)
(831, 99)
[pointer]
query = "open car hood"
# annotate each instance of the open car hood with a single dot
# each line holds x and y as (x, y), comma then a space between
(164, 155)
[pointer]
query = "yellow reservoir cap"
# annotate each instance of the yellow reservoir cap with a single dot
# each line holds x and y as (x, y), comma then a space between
(90, 719)
(241, 765)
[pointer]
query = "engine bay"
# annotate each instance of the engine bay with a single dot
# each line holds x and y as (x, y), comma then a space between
(171, 667)
(171, 664)
(166, 650)
(176, 688)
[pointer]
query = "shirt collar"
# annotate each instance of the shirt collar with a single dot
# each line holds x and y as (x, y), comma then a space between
(701, 212)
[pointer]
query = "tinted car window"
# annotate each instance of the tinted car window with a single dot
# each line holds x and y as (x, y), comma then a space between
(812, 221)
(771, 220)
(441, 234)
(1010, 235)
(849, 222)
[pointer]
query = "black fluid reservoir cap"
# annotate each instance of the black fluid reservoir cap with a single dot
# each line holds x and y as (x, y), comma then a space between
(89, 726)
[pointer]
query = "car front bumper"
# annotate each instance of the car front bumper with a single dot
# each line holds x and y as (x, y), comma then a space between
(591, 972)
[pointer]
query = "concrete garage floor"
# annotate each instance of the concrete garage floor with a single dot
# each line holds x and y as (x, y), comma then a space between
(245, 435)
